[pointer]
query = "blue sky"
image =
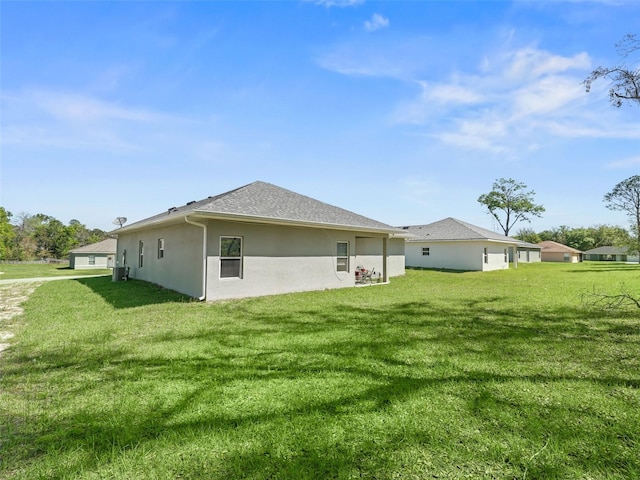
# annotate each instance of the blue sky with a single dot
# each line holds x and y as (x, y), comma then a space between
(405, 112)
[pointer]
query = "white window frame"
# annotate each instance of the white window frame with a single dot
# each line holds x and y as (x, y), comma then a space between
(426, 251)
(160, 248)
(342, 260)
(92, 259)
(140, 254)
(235, 258)
(485, 255)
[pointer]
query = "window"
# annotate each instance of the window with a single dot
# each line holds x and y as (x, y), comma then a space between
(486, 255)
(567, 257)
(230, 257)
(140, 254)
(425, 251)
(506, 256)
(161, 248)
(124, 257)
(342, 257)
(92, 259)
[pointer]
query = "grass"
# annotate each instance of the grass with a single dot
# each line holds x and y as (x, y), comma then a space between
(36, 270)
(496, 375)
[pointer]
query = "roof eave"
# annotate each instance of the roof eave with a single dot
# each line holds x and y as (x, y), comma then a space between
(434, 240)
(290, 222)
(204, 214)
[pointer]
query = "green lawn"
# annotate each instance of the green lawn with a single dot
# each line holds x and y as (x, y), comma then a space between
(35, 270)
(497, 375)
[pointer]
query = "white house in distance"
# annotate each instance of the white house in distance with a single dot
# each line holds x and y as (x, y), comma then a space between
(457, 245)
(96, 255)
(259, 239)
(611, 253)
(529, 252)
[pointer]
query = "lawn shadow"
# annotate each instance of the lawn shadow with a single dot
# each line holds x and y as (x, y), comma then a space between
(442, 270)
(389, 359)
(133, 293)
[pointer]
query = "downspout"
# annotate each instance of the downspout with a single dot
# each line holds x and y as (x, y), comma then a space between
(204, 256)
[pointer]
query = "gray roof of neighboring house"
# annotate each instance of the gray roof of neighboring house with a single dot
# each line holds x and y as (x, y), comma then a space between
(608, 250)
(522, 244)
(453, 229)
(105, 246)
(264, 202)
(549, 246)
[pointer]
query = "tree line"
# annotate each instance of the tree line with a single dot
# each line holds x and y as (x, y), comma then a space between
(579, 238)
(34, 237)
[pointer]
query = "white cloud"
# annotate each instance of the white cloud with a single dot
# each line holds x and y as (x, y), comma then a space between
(451, 94)
(351, 62)
(513, 103)
(483, 134)
(625, 163)
(546, 95)
(603, 127)
(376, 23)
(75, 121)
(529, 62)
(74, 107)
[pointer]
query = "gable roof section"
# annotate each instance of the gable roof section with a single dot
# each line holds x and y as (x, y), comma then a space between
(105, 246)
(266, 203)
(452, 229)
(549, 246)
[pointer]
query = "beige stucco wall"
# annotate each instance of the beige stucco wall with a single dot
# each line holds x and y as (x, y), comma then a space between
(396, 259)
(560, 257)
(181, 267)
(275, 259)
(283, 259)
(457, 255)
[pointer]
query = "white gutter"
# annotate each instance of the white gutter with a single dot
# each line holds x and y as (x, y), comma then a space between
(204, 256)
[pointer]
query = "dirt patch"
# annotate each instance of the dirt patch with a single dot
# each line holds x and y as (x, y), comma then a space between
(12, 296)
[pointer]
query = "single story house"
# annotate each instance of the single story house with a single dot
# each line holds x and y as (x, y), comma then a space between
(557, 252)
(611, 254)
(529, 252)
(457, 245)
(259, 239)
(96, 255)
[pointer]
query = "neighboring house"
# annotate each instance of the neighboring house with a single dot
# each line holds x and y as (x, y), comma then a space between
(529, 252)
(557, 252)
(97, 255)
(611, 254)
(256, 240)
(457, 245)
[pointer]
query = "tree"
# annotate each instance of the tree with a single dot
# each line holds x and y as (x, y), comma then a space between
(528, 235)
(625, 197)
(509, 197)
(7, 234)
(625, 80)
(605, 235)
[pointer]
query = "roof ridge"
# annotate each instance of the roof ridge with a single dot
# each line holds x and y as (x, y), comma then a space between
(270, 202)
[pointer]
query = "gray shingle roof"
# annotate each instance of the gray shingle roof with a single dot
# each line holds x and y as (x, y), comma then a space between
(453, 229)
(549, 246)
(608, 250)
(261, 201)
(105, 246)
